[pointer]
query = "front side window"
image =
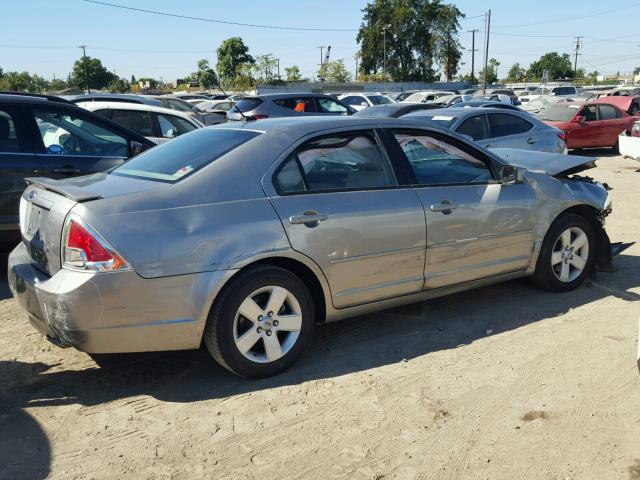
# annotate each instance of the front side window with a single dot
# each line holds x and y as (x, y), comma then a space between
(299, 105)
(503, 125)
(73, 134)
(178, 158)
(435, 162)
(353, 100)
(8, 136)
(589, 113)
(344, 161)
(379, 99)
(330, 106)
(137, 120)
(171, 126)
(475, 127)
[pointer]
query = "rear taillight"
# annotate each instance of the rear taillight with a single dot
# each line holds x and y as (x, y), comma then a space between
(84, 249)
(563, 137)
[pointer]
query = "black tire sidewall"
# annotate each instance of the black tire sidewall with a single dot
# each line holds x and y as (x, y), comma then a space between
(223, 314)
(544, 276)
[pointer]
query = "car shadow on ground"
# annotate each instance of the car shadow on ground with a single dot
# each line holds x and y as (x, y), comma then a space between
(337, 349)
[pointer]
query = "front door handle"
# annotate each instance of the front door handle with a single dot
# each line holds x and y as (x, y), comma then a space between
(531, 140)
(310, 218)
(66, 170)
(446, 207)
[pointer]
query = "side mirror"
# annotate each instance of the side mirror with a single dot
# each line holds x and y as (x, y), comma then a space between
(510, 174)
(136, 148)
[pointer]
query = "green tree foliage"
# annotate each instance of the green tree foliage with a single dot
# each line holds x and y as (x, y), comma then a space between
(467, 78)
(559, 66)
(492, 72)
(98, 76)
(418, 34)
(516, 73)
(205, 76)
(232, 53)
(118, 85)
(448, 50)
(23, 82)
(292, 73)
(153, 83)
(334, 72)
(57, 85)
(265, 68)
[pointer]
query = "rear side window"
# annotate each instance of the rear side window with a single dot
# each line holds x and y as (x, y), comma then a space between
(354, 100)
(330, 106)
(607, 112)
(8, 136)
(289, 178)
(137, 120)
(172, 126)
(503, 124)
(299, 105)
(246, 104)
(475, 127)
(178, 158)
(351, 160)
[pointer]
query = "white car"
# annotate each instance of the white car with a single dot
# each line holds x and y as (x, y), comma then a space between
(427, 96)
(562, 91)
(361, 100)
(158, 124)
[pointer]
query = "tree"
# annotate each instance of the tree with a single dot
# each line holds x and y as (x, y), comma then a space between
(57, 85)
(153, 83)
(492, 72)
(292, 73)
(334, 72)
(264, 68)
(92, 70)
(205, 76)
(559, 66)
(636, 71)
(411, 34)
(231, 54)
(516, 73)
(448, 50)
(467, 78)
(133, 79)
(118, 85)
(16, 82)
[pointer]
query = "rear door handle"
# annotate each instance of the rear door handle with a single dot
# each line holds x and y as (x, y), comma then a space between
(308, 218)
(531, 140)
(445, 207)
(66, 170)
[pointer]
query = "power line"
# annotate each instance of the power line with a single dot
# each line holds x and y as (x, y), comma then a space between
(564, 20)
(225, 22)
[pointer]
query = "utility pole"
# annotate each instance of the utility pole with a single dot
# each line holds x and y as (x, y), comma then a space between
(321, 60)
(278, 68)
(84, 62)
(486, 51)
(473, 54)
(356, 57)
(575, 62)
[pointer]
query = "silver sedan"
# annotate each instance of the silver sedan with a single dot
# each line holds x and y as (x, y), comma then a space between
(245, 236)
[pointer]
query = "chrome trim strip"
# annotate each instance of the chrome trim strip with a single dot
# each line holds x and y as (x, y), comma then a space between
(478, 265)
(380, 285)
(377, 254)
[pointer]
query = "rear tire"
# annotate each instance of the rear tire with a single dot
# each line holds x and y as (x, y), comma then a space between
(567, 254)
(261, 322)
(616, 147)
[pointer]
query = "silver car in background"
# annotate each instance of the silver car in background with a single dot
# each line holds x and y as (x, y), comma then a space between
(496, 128)
(257, 107)
(245, 235)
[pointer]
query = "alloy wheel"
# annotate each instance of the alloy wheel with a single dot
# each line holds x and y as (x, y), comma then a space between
(570, 254)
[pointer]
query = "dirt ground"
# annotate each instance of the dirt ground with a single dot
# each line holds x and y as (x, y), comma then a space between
(503, 382)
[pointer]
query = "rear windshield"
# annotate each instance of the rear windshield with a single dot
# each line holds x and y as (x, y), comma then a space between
(184, 155)
(246, 104)
(558, 114)
(379, 99)
(376, 112)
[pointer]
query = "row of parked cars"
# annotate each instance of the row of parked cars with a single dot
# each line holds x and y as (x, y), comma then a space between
(245, 235)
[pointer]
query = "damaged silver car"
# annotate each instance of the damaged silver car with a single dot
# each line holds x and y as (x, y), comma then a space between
(245, 236)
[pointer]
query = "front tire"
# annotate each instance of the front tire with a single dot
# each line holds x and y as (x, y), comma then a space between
(261, 322)
(567, 254)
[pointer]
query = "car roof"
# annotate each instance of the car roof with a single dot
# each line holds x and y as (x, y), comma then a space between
(275, 96)
(461, 112)
(101, 96)
(31, 97)
(132, 106)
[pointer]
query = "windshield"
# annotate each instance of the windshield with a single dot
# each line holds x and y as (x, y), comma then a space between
(379, 99)
(442, 121)
(178, 158)
(541, 91)
(382, 111)
(246, 104)
(558, 114)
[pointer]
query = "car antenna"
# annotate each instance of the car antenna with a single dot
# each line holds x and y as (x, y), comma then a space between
(235, 105)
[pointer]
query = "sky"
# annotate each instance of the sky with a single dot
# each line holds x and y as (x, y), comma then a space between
(42, 36)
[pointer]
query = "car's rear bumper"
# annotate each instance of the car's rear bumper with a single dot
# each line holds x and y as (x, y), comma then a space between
(113, 312)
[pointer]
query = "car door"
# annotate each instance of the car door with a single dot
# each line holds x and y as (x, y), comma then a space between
(613, 123)
(140, 121)
(296, 106)
(17, 161)
(70, 142)
(476, 226)
(476, 127)
(588, 132)
(343, 206)
(511, 131)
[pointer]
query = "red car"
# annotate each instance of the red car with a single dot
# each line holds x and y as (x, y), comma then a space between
(628, 103)
(588, 125)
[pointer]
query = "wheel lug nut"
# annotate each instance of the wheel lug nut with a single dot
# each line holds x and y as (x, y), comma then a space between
(259, 329)
(259, 318)
(270, 314)
(276, 323)
(268, 332)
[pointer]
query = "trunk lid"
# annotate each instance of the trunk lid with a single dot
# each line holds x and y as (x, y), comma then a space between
(45, 203)
(550, 163)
